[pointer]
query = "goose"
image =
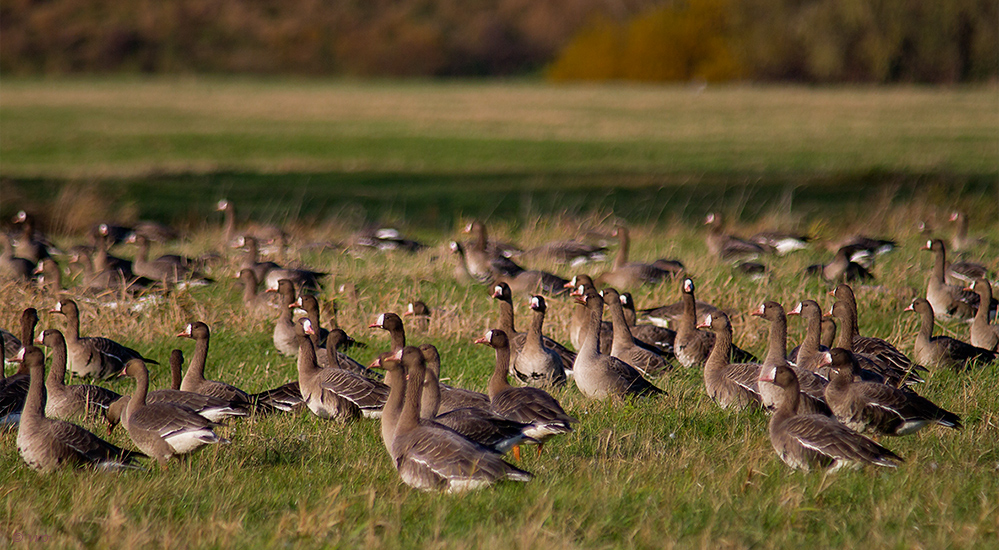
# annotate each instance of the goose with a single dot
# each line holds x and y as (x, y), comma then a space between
(49, 276)
(255, 303)
(163, 430)
(420, 312)
(812, 386)
(944, 351)
(868, 407)
(537, 364)
(625, 274)
(29, 246)
(310, 305)
(484, 259)
(13, 390)
(781, 242)
(730, 385)
(502, 293)
(333, 392)
(874, 354)
(599, 376)
(65, 402)
(194, 379)
(532, 406)
(571, 252)
(284, 328)
(841, 268)
(228, 209)
(212, 408)
(46, 444)
(530, 281)
(660, 337)
(727, 246)
(983, 334)
(647, 359)
(450, 398)
(948, 300)
(392, 323)
(806, 441)
(269, 272)
(170, 268)
(806, 355)
(92, 356)
(428, 457)
(691, 345)
(961, 241)
(12, 267)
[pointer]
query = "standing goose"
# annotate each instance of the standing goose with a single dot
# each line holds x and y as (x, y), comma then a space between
(660, 337)
(692, 346)
(647, 359)
(841, 268)
(949, 300)
(806, 441)
(12, 267)
(536, 364)
(33, 249)
(14, 388)
(812, 386)
(254, 302)
(868, 407)
(501, 292)
(163, 430)
(334, 392)
(209, 407)
(731, 385)
(983, 334)
(874, 353)
(726, 246)
(64, 401)
(170, 268)
(532, 406)
(450, 398)
(47, 444)
(92, 356)
(310, 304)
(960, 241)
(483, 259)
(625, 274)
(433, 458)
(599, 376)
(284, 328)
(49, 276)
(270, 273)
(943, 351)
(581, 317)
(393, 324)
(194, 379)
(478, 423)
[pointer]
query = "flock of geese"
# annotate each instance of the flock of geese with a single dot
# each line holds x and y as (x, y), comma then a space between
(829, 398)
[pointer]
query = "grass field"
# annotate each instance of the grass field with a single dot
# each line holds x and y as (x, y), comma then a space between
(539, 163)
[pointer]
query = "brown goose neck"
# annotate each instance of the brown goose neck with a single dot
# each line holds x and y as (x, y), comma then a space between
(939, 263)
(34, 402)
(688, 321)
(813, 332)
(430, 400)
(57, 374)
(409, 418)
(396, 381)
(196, 369)
(307, 363)
(720, 352)
(397, 336)
(844, 337)
(498, 382)
(591, 331)
(537, 326)
(176, 359)
(624, 243)
(926, 321)
(777, 342)
(506, 318)
(622, 334)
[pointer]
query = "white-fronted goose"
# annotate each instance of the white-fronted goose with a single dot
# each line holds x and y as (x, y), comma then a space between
(310, 305)
(284, 327)
(502, 293)
(194, 379)
(485, 259)
(66, 402)
(868, 407)
(841, 268)
(647, 359)
(334, 392)
(944, 351)
(806, 441)
(536, 364)
(864, 248)
(572, 253)
(267, 232)
(46, 444)
(983, 334)
(97, 282)
(532, 406)
(13, 267)
(49, 276)
(255, 302)
(163, 430)
(731, 385)
(625, 274)
(451, 398)
(581, 317)
(479, 424)
(172, 269)
(669, 315)
(13, 390)
(531, 281)
(660, 337)
(397, 332)
(961, 240)
(806, 355)
(782, 242)
(270, 273)
(727, 246)
(104, 261)
(29, 246)
(873, 353)
(92, 356)
(812, 385)
(947, 300)
(420, 313)
(429, 457)
(691, 345)
(599, 376)
(207, 406)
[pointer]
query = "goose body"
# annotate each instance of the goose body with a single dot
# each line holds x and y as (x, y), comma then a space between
(731, 385)
(944, 351)
(92, 356)
(64, 401)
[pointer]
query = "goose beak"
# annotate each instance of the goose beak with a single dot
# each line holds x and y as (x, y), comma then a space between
(909, 308)
(481, 340)
(767, 374)
(825, 358)
(759, 311)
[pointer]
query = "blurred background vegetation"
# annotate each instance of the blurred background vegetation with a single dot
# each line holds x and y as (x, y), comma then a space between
(869, 41)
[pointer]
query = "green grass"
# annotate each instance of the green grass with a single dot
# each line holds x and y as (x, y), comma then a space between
(676, 472)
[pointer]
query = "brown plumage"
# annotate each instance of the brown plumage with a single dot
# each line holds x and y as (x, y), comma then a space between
(661, 337)
(812, 386)
(692, 346)
(64, 401)
(947, 300)
(806, 441)
(502, 293)
(92, 356)
(625, 274)
(333, 392)
(944, 351)
(647, 359)
(869, 407)
(194, 379)
(451, 398)
(983, 334)
(731, 385)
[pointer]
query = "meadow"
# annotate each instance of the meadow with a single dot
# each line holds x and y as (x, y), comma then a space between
(537, 163)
